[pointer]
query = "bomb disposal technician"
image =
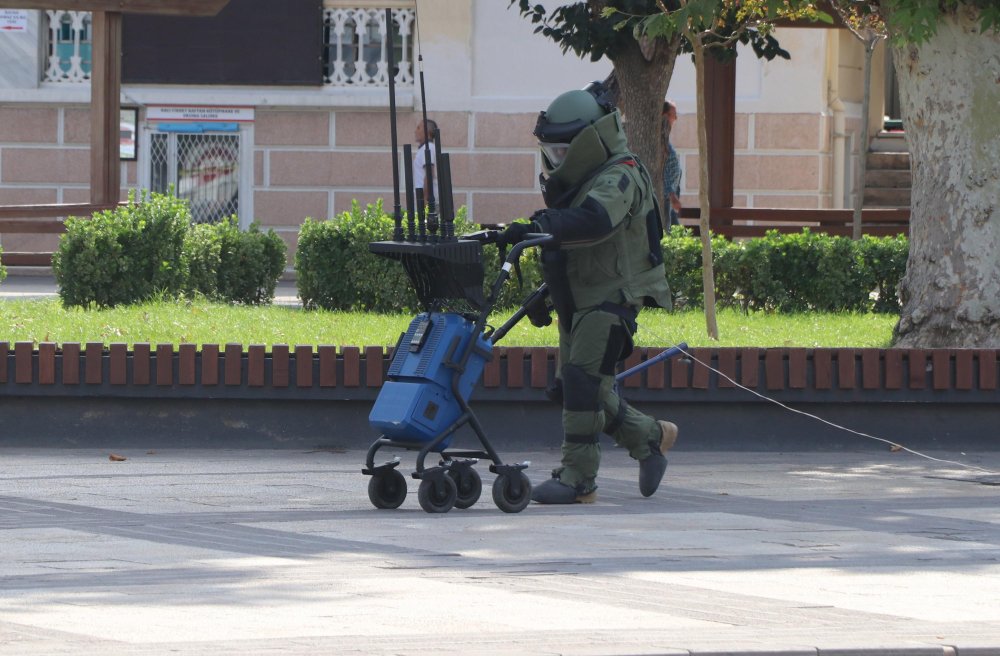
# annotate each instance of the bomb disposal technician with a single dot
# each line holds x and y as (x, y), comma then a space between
(604, 265)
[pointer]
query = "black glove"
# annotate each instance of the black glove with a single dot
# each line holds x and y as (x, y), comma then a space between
(543, 221)
(514, 233)
(537, 308)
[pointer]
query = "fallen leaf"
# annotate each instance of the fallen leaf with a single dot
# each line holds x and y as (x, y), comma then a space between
(114, 457)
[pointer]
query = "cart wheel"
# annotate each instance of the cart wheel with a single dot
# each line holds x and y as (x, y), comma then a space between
(437, 494)
(505, 499)
(469, 485)
(387, 489)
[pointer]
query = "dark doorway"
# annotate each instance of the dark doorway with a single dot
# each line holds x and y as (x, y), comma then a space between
(894, 117)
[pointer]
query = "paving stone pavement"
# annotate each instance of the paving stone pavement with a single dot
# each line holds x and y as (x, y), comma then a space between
(260, 552)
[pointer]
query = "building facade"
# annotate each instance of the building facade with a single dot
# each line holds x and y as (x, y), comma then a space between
(279, 118)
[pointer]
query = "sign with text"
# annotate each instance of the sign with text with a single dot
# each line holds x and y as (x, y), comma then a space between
(200, 113)
(13, 20)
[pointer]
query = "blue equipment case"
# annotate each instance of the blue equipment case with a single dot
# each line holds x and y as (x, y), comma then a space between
(435, 368)
(417, 403)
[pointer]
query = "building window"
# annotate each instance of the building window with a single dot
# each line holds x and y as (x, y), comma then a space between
(354, 47)
(69, 50)
(203, 168)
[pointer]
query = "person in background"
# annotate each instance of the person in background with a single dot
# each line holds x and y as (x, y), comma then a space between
(422, 165)
(671, 166)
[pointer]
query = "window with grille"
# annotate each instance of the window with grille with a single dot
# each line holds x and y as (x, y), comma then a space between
(202, 168)
(69, 46)
(355, 51)
(346, 47)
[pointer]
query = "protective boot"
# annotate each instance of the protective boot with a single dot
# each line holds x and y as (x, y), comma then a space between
(554, 491)
(652, 468)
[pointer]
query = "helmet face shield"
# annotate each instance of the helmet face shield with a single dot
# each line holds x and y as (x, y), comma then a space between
(554, 153)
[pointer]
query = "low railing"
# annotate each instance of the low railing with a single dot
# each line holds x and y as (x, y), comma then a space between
(756, 222)
(840, 375)
(162, 395)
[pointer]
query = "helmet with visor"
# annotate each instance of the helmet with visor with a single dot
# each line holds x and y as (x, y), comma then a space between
(567, 116)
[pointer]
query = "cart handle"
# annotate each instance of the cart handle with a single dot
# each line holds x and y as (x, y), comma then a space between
(530, 239)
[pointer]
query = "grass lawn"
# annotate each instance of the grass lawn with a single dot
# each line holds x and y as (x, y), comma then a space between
(200, 322)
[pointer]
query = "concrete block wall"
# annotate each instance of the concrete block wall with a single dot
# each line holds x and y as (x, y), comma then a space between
(781, 160)
(315, 161)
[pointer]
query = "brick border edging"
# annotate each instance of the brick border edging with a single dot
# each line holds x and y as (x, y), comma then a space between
(355, 373)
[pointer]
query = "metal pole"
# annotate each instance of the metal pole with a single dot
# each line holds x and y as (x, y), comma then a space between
(397, 213)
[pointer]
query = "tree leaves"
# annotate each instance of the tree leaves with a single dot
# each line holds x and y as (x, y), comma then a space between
(915, 21)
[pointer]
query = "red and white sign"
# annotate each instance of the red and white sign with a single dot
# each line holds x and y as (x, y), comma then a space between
(13, 20)
(201, 113)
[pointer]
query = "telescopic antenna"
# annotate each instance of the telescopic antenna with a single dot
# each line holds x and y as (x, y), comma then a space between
(446, 204)
(432, 211)
(397, 214)
(408, 179)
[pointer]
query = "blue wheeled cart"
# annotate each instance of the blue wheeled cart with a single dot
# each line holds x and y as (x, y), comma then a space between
(440, 358)
(435, 367)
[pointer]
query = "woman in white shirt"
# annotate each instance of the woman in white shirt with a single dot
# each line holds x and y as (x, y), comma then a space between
(420, 170)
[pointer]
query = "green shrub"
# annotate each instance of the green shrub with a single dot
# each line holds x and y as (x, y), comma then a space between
(883, 265)
(202, 254)
(839, 284)
(3, 269)
(682, 262)
(250, 263)
(336, 271)
(793, 272)
(125, 255)
(227, 264)
(149, 248)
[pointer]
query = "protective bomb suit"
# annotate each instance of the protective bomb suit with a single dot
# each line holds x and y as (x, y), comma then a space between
(605, 264)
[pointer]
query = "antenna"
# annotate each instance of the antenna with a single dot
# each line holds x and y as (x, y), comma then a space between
(443, 269)
(397, 214)
(408, 178)
(432, 210)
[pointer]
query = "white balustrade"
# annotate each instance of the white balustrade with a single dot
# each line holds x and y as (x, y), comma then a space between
(356, 52)
(69, 46)
(355, 47)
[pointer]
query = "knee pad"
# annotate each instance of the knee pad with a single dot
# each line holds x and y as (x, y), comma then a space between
(618, 348)
(581, 391)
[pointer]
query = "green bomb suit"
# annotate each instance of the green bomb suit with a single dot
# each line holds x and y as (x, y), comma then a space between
(606, 265)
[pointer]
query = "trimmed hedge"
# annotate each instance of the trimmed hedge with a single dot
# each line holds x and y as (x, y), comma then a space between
(227, 264)
(793, 272)
(125, 255)
(150, 249)
(336, 271)
(779, 272)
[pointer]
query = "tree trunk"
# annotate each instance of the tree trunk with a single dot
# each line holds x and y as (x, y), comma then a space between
(950, 94)
(866, 103)
(643, 86)
(707, 260)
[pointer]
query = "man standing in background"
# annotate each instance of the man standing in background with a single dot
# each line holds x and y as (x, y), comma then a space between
(671, 166)
(423, 159)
